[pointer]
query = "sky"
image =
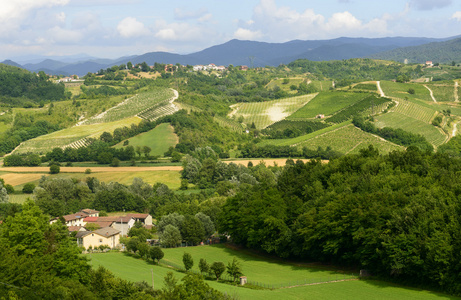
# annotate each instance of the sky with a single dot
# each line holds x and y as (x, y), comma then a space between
(115, 28)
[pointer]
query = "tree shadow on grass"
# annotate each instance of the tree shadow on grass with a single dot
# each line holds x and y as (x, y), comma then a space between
(245, 254)
(381, 284)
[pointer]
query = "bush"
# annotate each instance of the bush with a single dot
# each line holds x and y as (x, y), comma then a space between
(115, 162)
(55, 169)
(9, 189)
(88, 171)
(28, 188)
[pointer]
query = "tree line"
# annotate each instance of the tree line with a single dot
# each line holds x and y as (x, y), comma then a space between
(395, 215)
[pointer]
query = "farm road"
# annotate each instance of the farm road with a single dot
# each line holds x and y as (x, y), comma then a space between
(378, 84)
(432, 94)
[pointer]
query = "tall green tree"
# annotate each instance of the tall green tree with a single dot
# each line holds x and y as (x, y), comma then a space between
(188, 261)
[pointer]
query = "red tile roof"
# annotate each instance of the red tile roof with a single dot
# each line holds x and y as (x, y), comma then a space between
(74, 216)
(117, 219)
(138, 216)
(74, 228)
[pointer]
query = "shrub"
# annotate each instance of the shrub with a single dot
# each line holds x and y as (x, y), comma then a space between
(28, 188)
(88, 171)
(9, 189)
(55, 169)
(115, 162)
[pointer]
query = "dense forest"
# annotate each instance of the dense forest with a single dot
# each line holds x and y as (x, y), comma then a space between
(396, 215)
(18, 86)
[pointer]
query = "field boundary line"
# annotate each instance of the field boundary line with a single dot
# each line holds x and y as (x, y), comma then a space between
(430, 92)
(316, 283)
(456, 91)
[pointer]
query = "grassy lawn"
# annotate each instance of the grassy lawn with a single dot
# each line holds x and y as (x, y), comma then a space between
(327, 104)
(256, 268)
(158, 139)
(133, 269)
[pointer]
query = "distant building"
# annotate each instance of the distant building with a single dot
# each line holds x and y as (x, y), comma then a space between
(429, 63)
(243, 68)
(104, 236)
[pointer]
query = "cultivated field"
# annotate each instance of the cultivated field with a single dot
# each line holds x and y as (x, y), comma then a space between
(65, 137)
(400, 90)
(132, 106)
(322, 85)
(158, 139)
(256, 269)
(415, 111)
(327, 104)
(286, 87)
(443, 93)
(344, 137)
(264, 114)
(398, 120)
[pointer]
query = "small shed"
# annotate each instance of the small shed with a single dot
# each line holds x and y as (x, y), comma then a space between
(243, 280)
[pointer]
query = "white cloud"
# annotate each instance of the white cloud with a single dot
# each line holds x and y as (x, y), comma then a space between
(167, 34)
(344, 21)
(282, 23)
(182, 32)
(64, 36)
(246, 34)
(186, 14)
(457, 16)
(130, 27)
(13, 13)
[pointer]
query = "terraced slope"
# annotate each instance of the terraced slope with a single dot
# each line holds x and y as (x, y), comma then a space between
(263, 114)
(124, 114)
(344, 137)
(434, 135)
(327, 104)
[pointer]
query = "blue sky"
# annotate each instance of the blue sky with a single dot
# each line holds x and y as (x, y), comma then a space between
(114, 28)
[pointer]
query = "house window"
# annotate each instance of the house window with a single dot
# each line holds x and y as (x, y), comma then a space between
(100, 240)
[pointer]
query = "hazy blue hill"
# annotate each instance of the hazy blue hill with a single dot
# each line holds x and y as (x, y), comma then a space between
(11, 63)
(238, 52)
(49, 64)
(442, 52)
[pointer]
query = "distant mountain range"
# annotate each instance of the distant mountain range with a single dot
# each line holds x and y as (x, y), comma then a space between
(258, 54)
(441, 52)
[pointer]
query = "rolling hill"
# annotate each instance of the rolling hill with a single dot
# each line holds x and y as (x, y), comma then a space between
(441, 52)
(238, 52)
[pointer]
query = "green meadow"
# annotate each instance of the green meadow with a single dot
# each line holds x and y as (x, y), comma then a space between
(260, 268)
(158, 139)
